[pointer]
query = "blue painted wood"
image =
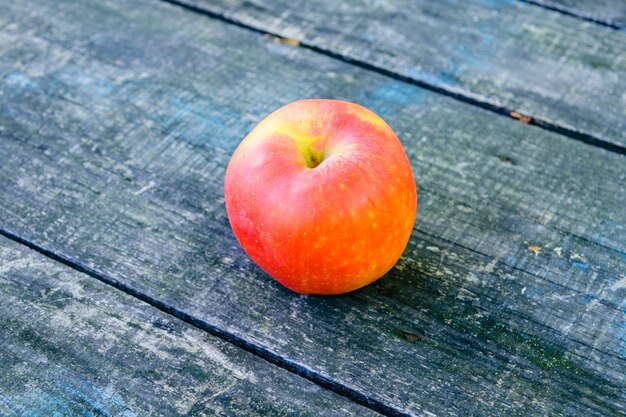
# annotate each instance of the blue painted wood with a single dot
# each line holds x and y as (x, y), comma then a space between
(562, 71)
(119, 121)
(72, 346)
(611, 13)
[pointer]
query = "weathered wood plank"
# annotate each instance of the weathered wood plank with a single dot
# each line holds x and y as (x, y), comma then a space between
(556, 68)
(71, 345)
(117, 130)
(610, 12)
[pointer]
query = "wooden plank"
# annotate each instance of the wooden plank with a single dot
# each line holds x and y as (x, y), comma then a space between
(521, 58)
(608, 12)
(117, 130)
(71, 345)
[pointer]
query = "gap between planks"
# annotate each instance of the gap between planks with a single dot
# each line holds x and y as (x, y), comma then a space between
(259, 351)
(483, 104)
(567, 12)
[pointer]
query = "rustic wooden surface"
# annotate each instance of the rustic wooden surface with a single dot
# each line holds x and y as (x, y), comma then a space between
(118, 122)
(611, 13)
(563, 72)
(71, 345)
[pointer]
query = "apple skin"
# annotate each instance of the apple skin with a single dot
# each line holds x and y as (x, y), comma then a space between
(321, 196)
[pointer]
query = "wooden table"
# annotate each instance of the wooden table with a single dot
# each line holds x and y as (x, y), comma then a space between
(123, 291)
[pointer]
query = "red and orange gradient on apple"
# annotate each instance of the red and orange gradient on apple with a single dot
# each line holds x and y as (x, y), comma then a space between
(321, 196)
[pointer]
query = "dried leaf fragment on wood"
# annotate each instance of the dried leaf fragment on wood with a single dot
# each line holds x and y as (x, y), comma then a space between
(288, 41)
(521, 117)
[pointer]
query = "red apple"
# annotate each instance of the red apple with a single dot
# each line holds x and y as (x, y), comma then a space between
(321, 196)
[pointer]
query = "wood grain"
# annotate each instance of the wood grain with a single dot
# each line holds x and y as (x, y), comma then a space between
(609, 12)
(554, 68)
(119, 121)
(70, 345)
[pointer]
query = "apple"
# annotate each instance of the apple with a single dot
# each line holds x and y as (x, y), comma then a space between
(321, 196)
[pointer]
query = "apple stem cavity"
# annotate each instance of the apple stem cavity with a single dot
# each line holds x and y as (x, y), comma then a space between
(313, 158)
